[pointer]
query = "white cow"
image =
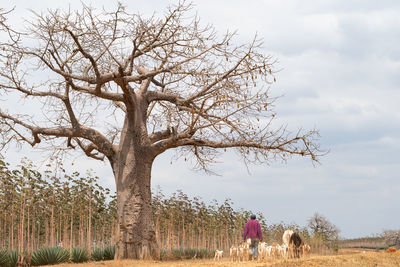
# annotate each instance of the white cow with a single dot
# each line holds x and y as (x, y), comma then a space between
(286, 237)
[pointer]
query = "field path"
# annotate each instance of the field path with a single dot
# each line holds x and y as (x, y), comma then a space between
(379, 259)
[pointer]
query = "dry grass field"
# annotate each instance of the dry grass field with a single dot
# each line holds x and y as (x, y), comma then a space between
(344, 259)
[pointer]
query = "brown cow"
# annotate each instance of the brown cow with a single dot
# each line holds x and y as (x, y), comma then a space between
(295, 243)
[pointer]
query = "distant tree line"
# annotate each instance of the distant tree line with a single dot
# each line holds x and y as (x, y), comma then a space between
(392, 238)
(184, 223)
(55, 208)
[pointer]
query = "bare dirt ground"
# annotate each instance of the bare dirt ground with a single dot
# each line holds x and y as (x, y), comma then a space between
(345, 259)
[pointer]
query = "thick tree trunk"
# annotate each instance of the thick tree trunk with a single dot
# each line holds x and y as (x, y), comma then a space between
(135, 237)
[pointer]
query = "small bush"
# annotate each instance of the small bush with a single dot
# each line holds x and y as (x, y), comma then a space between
(205, 253)
(98, 254)
(79, 255)
(190, 253)
(178, 254)
(46, 256)
(109, 253)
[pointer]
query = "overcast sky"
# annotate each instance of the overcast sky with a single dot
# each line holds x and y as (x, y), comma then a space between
(340, 62)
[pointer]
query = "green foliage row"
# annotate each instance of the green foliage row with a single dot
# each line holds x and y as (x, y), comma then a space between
(57, 255)
(380, 247)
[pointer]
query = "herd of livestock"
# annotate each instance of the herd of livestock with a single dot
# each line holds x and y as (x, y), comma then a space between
(292, 247)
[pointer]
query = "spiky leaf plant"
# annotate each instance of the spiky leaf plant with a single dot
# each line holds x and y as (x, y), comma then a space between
(98, 254)
(46, 256)
(109, 253)
(4, 258)
(13, 258)
(79, 255)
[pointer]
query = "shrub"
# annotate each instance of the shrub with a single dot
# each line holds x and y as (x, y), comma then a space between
(46, 256)
(109, 253)
(178, 254)
(205, 253)
(192, 254)
(79, 255)
(98, 254)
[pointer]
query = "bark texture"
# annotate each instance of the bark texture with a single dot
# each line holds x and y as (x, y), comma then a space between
(135, 237)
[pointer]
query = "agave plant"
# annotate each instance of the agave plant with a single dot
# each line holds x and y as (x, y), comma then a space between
(4, 258)
(79, 255)
(13, 258)
(98, 254)
(109, 253)
(46, 256)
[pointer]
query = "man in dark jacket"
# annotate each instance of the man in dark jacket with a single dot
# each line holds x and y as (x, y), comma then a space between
(252, 230)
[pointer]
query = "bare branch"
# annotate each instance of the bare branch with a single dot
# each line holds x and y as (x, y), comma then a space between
(88, 150)
(174, 83)
(94, 136)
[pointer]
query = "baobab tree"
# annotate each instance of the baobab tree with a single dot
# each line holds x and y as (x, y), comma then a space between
(323, 228)
(125, 88)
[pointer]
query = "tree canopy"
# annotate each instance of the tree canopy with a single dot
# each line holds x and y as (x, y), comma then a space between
(90, 69)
